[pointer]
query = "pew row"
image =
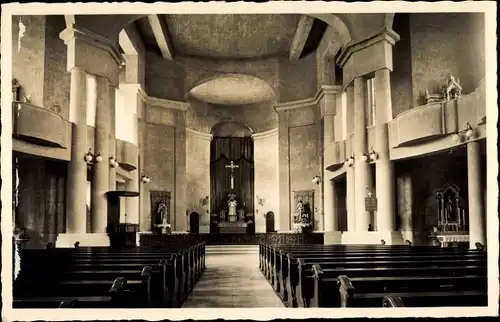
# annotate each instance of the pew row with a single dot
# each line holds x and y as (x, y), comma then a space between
(316, 275)
(151, 277)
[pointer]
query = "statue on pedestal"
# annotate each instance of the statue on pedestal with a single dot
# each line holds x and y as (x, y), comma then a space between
(161, 212)
(232, 203)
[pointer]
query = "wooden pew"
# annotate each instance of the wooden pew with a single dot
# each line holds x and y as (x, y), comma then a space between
(186, 268)
(278, 271)
(299, 269)
(279, 255)
(114, 297)
(192, 261)
(367, 287)
(279, 265)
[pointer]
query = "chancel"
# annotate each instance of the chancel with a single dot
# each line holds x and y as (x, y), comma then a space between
(177, 152)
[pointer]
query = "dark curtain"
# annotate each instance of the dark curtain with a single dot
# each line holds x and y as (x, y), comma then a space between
(223, 150)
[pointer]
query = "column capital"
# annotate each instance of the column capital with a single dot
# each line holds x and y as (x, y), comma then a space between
(386, 35)
(92, 52)
(326, 97)
(368, 55)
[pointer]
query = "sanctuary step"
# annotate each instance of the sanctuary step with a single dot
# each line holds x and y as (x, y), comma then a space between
(231, 249)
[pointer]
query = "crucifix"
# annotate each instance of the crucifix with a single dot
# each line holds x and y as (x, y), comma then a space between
(232, 166)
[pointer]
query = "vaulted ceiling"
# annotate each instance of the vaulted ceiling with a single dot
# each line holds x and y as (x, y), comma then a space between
(231, 36)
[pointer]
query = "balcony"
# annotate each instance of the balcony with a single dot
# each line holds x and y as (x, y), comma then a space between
(40, 126)
(435, 120)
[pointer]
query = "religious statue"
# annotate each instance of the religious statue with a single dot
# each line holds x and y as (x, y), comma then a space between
(300, 217)
(162, 211)
(299, 209)
(232, 203)
(449, 210)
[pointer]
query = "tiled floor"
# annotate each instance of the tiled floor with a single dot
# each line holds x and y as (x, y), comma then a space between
(232, 281)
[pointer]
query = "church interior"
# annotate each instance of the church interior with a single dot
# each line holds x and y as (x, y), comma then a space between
(204, 138)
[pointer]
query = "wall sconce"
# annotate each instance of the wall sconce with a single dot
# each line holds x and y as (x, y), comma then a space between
(349, 161)
(467, 134)
(316, 180)
(112, 162)
(92, 158)
(364, 157)
(373, 155)
(145, 179)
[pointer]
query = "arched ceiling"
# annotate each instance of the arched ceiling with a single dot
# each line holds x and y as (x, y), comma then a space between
(233, 89)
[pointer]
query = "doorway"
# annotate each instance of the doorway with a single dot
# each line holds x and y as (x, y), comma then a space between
(341, 203)
(270, 222)
(194, 223)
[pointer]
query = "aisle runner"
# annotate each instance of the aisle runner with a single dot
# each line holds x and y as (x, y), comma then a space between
(232, 281)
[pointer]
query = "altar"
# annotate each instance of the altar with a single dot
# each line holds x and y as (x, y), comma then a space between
(239, 227)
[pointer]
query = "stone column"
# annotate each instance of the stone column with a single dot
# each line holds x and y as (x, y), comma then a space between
(100, 171)
(350, 202)
(384, 169)
(361, 168)
(132, 101)
(76, 209)
(328, 109)
(284, 217)
(477, 224)
(112, 136)
(331, 220)
(132, 203)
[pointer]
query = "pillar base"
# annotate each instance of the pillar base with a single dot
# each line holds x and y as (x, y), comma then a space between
(409, 235)
(332, 237)
(372, 238)
(86, 240)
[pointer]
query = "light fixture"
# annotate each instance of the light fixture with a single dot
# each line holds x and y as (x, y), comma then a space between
(316, 180)
(373, 155)
(349, 161)
(145, 179)
(88, 157)
(469, 133)
(364, 157)
(98, 157)
(466, 134)
(112, 162)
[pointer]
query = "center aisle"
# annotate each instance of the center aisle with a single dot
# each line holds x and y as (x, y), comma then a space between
(232, 279)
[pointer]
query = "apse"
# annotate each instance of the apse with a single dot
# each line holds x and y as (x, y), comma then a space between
(233, 89)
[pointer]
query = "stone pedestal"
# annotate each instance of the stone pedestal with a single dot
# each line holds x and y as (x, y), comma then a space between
(332, 237)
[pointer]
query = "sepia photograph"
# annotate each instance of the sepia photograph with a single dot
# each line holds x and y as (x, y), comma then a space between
(240, 156)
